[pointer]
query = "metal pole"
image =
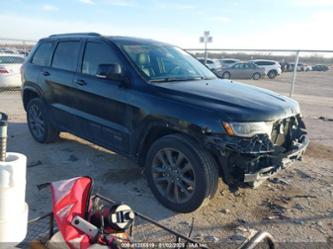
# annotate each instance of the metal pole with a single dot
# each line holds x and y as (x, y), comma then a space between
(3, 136)
(206, 40)
(294, 75)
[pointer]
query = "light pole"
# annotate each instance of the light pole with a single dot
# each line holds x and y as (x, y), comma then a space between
(206, 38)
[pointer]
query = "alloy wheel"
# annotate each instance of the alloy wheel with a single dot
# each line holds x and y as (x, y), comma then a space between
(173, 175)
(36, 121)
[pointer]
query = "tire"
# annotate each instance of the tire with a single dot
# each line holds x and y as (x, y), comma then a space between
(226, 75)
(256, 76)
(272, 74)
(38, 122)
(166, 177)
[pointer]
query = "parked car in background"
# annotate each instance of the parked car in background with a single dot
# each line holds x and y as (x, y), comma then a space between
(272, 68)
(320, 67)
(300, 67)
(307, 68)
(227, 62)
(243, 70)
(10, 65)
(284, 66)
(213, 64)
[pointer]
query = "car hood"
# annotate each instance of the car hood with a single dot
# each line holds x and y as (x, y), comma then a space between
(233, 101)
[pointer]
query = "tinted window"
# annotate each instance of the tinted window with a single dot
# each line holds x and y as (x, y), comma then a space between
(264, 63)
(238, 65)
(96, 54)
(42, 55)
(66, 54)
(11, 60)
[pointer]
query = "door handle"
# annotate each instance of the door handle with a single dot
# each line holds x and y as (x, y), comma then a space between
(45, 73)
(80, 82)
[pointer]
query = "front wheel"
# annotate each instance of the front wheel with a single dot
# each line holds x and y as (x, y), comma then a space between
(39, 125)
(180, 173)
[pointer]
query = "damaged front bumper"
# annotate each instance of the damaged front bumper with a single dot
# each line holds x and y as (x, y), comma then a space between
(253, 160)
(282, 161)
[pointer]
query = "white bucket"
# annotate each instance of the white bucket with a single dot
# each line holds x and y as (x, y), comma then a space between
(14, 229)
(13, 208)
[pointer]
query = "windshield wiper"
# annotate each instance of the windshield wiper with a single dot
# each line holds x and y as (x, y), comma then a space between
(170, 79)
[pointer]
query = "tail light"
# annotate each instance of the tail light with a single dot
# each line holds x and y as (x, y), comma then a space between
(3, 70)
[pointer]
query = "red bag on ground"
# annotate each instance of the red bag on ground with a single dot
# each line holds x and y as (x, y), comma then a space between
(71, 198)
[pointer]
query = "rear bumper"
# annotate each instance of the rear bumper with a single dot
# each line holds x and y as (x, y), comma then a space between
(10, 81)
(282, 161)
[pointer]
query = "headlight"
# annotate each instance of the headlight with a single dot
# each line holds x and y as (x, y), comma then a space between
(248, 129)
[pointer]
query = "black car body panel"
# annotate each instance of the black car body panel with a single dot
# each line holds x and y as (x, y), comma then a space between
(127, 118)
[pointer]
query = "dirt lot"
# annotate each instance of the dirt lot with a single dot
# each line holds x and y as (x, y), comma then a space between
(297, 206)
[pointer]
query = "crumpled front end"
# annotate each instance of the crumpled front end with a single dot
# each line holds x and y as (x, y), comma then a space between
(254, 159)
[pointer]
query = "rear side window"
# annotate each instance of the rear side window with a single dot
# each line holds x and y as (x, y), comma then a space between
(66, 55)
(264, 63)
(96, 54)
(11, 60)
(43, 54)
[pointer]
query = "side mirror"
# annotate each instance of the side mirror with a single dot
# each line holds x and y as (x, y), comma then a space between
(110, 71)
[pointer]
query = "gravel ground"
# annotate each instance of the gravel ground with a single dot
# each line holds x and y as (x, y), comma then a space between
(296, 206)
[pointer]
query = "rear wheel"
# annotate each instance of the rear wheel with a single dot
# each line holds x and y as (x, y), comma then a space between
(272, 74)
(180, 173)
(226, 75)
(39, 125)
(256, 76)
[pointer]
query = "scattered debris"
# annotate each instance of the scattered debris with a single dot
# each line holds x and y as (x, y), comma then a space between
(34, 164)
(225, 211)
(298, 207)
(184, 223)
(303, 175)
(198, 237)
(325, 119)
(299, 222)
(242, 229)
(273, 217)
(320, 224)
(237, 237)
(211, 238)
(241, 221)
(279, 181)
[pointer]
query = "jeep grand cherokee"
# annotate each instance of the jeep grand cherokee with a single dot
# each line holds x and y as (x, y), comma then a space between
(157, 105)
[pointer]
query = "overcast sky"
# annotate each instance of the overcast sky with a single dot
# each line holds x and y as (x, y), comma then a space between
(284, 24)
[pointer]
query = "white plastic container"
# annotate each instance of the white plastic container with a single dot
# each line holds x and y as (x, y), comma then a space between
(13, 208)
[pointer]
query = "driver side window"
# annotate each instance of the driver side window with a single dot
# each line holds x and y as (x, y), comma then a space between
(95, 54)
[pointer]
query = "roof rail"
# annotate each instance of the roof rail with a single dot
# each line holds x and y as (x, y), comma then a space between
(74, 34)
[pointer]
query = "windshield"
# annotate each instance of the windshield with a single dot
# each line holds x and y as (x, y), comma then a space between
(161, 63)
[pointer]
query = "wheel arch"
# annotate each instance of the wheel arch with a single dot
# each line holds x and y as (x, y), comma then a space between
(155, 129)
(272, 70)
(29, 93)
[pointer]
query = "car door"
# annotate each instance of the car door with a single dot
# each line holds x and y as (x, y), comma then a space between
(247, 71)
(102, 112)
(236, 71)
(58, 79)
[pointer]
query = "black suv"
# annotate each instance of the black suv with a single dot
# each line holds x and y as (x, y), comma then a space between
(157, 105)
